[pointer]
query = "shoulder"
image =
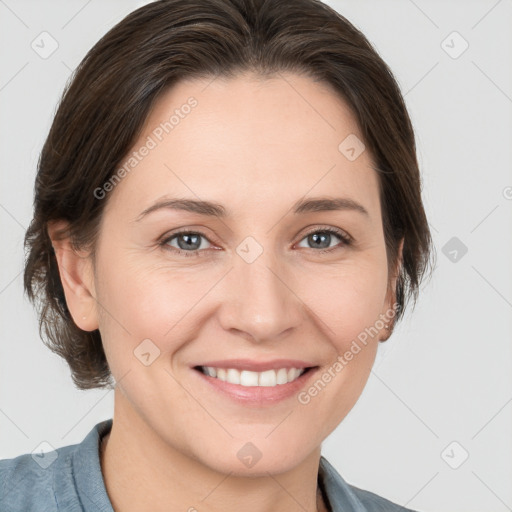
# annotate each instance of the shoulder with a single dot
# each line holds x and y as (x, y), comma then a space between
(345, 497)
(66, 479)
(375, 503)
(27, 482)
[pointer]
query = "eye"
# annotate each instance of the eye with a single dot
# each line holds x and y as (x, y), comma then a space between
(321, 239)
(189, 243)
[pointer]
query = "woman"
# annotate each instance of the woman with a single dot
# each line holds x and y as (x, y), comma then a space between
(227, 222)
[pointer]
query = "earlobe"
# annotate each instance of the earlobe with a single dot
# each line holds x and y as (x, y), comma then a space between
(77, 278)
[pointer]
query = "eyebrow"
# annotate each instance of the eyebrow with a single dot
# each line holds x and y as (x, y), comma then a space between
(213, 209)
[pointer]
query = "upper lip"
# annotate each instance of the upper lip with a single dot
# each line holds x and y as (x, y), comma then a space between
(257, 366)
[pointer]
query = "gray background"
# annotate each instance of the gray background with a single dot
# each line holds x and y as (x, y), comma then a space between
(445, 375)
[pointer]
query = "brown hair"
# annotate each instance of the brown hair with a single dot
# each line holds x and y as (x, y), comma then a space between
(111, 92)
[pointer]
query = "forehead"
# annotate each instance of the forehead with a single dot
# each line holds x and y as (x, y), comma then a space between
(244, 140)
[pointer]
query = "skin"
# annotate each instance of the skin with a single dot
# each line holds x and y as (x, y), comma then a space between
(256, 146)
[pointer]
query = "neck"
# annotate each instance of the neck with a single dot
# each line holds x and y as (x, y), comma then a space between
(141, 472)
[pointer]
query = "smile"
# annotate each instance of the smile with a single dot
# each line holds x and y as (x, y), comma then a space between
(268, 378)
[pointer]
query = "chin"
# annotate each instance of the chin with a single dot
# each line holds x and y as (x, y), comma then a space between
(248, 459)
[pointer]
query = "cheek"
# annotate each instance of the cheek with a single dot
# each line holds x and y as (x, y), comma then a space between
(347, 299)
(347, 304)
(157, 301)
(142, 301)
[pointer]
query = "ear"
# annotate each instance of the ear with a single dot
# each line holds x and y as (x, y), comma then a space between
(391, 293)
(77, 278)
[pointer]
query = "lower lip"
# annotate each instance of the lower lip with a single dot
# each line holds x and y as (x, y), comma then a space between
(258, 395)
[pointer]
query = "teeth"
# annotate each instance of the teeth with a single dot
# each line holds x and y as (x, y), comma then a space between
(293, 373)
(233, 376)
(212, 372)
(247, 378)
(282, 376)
(268, 378)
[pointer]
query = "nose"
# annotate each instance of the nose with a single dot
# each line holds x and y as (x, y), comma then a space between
(259, 300)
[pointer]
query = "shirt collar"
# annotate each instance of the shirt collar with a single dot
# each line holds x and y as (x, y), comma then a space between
(340, 497)
(87, 470)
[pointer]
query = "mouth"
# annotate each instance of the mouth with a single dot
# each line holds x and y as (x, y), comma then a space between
(254, 384)
(247, 378)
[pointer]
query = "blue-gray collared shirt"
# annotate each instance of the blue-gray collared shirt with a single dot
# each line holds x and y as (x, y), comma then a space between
(69, 479)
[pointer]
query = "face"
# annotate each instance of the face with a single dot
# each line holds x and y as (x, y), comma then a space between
(266, 279)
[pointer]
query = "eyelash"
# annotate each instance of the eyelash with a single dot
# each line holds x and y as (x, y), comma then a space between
(346, 240)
